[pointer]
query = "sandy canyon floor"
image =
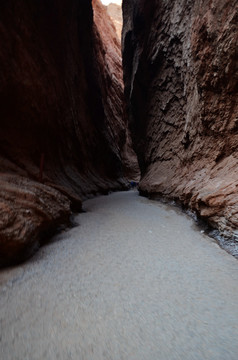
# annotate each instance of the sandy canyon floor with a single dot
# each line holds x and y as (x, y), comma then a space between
(133, 281)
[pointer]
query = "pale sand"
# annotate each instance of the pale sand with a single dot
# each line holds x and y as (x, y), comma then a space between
(134, 281)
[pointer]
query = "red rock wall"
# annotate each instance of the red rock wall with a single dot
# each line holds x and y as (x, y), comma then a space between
(60, 105)
(108, 49)
(181, 84)
(115, 13)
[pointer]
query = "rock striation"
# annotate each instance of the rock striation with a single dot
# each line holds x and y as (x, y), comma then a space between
(115, 13)
(181, 84)
(112, 87)
(62, 132)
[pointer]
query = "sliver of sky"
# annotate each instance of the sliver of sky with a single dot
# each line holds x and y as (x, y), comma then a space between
(106, 2)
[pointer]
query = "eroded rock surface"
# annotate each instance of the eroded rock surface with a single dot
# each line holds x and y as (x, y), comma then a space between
(29, 211)
(60, 115)
(115, 13)
(181, 84)
(112, 87)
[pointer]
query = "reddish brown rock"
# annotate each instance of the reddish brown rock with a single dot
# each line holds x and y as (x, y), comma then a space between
(29, 211)
(108, 50)
(60, 116)
(181, 84)
(115, 13)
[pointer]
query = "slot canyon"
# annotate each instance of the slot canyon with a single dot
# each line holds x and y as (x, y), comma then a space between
(119, 154)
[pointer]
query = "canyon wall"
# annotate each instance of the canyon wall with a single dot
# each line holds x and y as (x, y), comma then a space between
(181, 83)
(62, 130)
(115, 13)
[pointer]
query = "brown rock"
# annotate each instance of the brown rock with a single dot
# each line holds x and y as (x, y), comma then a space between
(60, 116)
(115, 13)
(180, 70)
(109, 53)
(29, 211)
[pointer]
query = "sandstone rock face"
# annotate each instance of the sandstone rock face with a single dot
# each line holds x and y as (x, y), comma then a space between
(60, 116)
(115, 13)
(29, 211)
(181, 84)
(112, 98)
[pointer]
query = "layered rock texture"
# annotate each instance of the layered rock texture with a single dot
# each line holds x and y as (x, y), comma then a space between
(108, 55)
(115, 13)
(181, 83)
(62, 130)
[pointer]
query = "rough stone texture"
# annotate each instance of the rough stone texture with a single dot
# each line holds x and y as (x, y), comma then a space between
(115, 13)
(59, 107)
(29, 211)
(181, 84)
(112, 87)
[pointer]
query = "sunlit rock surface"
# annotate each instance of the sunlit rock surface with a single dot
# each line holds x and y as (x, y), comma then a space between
(115, 12)
(180, 70)
(61, 127)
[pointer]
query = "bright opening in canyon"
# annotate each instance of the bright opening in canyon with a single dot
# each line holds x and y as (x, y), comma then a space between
(107, 2)
(114, 10)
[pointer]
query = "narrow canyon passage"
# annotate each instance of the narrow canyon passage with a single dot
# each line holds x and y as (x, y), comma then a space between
(134, 280)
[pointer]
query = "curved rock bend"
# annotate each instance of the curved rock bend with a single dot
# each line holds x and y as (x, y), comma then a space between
(61, 126)
(181, 84)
